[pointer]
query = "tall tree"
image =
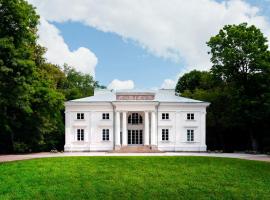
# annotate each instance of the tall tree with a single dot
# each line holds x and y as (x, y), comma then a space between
(18, 23)
(240, 57)
(237, 87)
(28, 100)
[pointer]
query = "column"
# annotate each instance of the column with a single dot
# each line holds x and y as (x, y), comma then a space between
(124, 131)
(117, 129)
(203, 131)
(67, 129)
(153, 129)
(146, 128)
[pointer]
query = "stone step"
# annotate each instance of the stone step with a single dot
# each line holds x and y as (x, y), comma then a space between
(136, 149)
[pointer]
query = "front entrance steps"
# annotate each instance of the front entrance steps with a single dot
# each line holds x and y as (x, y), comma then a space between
(136, 149)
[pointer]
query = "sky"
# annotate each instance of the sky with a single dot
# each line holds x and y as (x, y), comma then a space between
(139, 44)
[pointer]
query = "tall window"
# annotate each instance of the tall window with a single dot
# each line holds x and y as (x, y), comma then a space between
(80, 134)
(105, 116)
(165, 134)
(190, 116)
(190, 135)
(165, 115)
(80, 115)
(105, 134)
(135, 118)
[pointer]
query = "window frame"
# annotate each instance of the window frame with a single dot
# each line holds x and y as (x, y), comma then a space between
(190, 116)
(190, 135)
(80, 116)
(135, 119)
(105, 116)
(105, 134)
(165, 116)
(165, 135)
(80, 135)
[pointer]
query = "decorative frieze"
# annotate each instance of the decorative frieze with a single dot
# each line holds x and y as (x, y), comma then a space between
(135, 97)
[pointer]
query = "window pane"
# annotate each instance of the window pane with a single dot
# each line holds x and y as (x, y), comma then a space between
(82, 115)
(78, 115)
(82, 136)
(129, 137)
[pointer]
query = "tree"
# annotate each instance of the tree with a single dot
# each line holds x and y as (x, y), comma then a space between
(77, 84)
(240, 57)
(237, 87)
(28, 100)
(32, 91)
(195, 79)
(18, 23)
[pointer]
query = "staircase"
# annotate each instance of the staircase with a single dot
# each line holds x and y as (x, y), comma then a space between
(136, 149)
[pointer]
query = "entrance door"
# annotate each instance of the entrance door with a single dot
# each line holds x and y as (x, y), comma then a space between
(135, 137)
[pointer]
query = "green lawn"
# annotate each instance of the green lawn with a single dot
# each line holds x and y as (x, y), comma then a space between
(135, 178)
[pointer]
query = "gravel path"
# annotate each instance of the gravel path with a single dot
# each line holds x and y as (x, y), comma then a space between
(260, 157)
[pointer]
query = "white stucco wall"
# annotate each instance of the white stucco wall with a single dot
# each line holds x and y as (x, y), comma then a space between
(93, 125)
(178, 125)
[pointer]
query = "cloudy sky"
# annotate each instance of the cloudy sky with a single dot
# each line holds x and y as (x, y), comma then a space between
(141, 44)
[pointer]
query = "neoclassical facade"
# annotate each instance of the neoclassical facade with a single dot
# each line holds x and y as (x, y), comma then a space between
(111, 120)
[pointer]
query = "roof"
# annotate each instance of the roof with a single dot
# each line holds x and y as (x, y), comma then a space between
(161, 95)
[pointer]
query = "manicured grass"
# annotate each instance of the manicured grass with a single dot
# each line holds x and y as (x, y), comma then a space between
(135, 178)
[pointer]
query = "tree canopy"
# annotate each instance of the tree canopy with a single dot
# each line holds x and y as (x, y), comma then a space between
(32, 91)
(237, 86)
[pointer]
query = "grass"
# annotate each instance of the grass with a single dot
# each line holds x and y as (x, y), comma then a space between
(135, 178)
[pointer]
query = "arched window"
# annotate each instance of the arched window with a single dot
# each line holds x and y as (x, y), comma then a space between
(135, 118)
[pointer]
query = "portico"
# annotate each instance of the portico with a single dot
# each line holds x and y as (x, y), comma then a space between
(135, 124)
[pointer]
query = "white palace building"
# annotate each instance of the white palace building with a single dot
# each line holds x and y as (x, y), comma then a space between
(113, 120)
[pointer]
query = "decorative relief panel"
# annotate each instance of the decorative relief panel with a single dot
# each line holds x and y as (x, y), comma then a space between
(135, 97)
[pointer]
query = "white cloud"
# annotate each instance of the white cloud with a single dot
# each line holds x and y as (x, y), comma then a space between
(120, 85)
(168, 84)
(59, 53)
(175, 29)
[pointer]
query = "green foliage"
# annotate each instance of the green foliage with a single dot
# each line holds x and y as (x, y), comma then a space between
(194, 79)
(77, 84)
(135, 178)
(32, 91)
(237, 87)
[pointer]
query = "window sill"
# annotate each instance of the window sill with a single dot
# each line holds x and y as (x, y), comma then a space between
(166, 120)
(191, 120)
(80, 142)
(165, 141)
(80, 120)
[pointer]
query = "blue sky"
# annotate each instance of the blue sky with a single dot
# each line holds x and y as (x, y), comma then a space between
(140, 43)
(119, 58)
